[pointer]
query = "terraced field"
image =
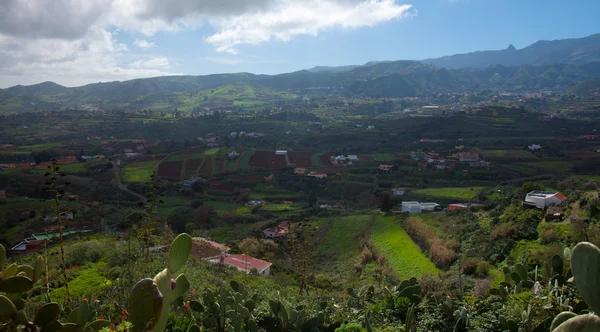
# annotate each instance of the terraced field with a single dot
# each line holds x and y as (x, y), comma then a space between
(338, 247)
(403, 254)
(465, 193)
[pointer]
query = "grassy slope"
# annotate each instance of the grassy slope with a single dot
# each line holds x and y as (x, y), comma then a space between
(339, 249)
(453, 193)
(139, 172)
(403, 254)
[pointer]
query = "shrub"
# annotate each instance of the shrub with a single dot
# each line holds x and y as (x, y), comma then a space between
(548, 236)
(483, 269)
(503, 231)
(430, 283)
(482, 288)
(350, 327)
(469, 266)
(440, 252)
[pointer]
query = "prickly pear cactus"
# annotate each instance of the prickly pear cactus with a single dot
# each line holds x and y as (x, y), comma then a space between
(150, 299)
(585, 265)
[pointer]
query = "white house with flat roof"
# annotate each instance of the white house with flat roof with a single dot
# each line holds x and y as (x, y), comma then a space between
(543, 199)
(411, 207)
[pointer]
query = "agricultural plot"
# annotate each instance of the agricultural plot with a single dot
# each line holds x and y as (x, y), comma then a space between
(464, 193)
(170, 169)
(506, 155)
(404, 255)
(184, 156)
(267, 191)
(324, 159)
(316, 159)
(301, 159)
(551, 166)
(382, 156)
(584, 155)
(268, 160)
(191, 166)
(244, 159)
(338, 249)
(138, 171)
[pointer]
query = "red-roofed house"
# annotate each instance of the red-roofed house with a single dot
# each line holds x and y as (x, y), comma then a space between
(543, 199)
(28, 245)
(386, 168)
(245, 263)
(468, 156)
(300, 171)
(207, 249)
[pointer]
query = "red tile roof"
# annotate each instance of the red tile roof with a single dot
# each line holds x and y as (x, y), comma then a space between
(246, 263)
(561, 196)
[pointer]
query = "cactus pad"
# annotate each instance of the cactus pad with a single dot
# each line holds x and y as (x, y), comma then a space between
(179, 252)
(7, 308)
(582, 323)
(47, 313)
(16, 284)
(585, 263)
(145, 303)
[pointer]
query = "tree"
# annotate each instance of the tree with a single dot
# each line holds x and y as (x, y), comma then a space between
(196, 204)
(386, 203)
(179, 219)
(312, 198)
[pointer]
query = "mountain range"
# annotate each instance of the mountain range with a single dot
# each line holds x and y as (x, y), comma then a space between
(544, 64)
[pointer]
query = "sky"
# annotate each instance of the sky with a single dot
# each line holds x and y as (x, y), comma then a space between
(77, 42)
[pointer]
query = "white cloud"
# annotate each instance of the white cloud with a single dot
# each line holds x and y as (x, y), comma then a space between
(293, 18)
(69, 41)
(143, 44)
(224, 61)
(153, 63)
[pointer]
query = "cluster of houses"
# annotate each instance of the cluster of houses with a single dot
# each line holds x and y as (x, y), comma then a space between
(350, 159)
(66, 160)
(282, 230)
(313, 174)
(435, 160)
(211, 140)
(251, 134)
(217, 253)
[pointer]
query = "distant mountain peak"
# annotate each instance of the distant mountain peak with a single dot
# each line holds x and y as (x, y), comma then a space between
(511, 47)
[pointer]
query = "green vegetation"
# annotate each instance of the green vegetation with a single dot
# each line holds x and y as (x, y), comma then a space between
(383, 156)
(465, 193)
(89, 282)
(138, 171)
(338, 248)
(403, 254)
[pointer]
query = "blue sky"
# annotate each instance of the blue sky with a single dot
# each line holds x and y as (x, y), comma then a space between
(102, 40)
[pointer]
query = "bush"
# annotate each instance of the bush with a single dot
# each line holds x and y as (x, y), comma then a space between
(440, 252)
(350, 327)
(482, 288)
(483, 269)
(81, 253)
(470, 265)
(430, 283)
(196, 204)
(549, 236)
(503, 231)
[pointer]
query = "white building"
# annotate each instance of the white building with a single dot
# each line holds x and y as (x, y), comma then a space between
(411, 207)
(534, 147)
(428, 206)
(542, 199)
(399, 191)
(281, 152)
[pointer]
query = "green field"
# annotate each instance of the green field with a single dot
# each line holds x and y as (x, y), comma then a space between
(551, 166)
(267, 191)
(244, 159)
(505, 154)
(338, 248)
(383, 156)
(139, 171)
(211, 152)
(231, 166)
(450, 193)
(316, 159)
(402, 253)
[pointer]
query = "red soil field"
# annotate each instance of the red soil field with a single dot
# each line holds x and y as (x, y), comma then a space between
(584, 155)
(365, 159)
(206, 169)
(191, 166)
(150, 158)
(332, 170)
(170, 170)
(324, 159)
(267, 159)
(301, 159)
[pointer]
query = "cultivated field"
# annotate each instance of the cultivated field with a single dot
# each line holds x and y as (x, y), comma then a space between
(505, 155)
(138, 171)
(465, 193)
(402, 253)
(338, 249)
(268, 160)
(170, 169)
(301, 159)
